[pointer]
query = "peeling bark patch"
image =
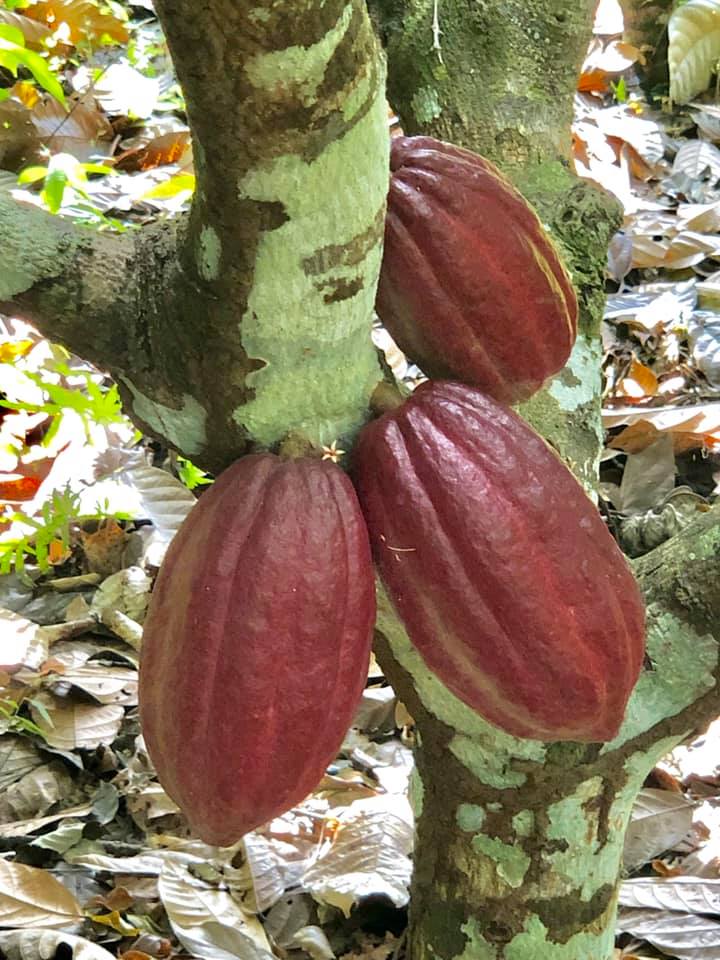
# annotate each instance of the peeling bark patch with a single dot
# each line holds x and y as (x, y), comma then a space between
(566, 916)
(416, 793)
(685, 661)
(348, 254)
(470, 817)
(208, 260)
(183, 427)
(579, 382)
(296, 72)
(271, 215)
(338, 289)
(523, 823)
(256, 363)
(510, 862)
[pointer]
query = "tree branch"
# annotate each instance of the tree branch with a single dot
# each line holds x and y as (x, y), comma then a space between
(252, 316)
(78, 286)
(500, 87)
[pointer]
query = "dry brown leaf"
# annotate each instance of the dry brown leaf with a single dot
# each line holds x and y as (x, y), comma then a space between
(164, 149)
(36, 944)
(639, 436)
(660, 820)
(21, 828)
(699, 217)
(84, 131)
(18, 758)
(611, 58)
(609, 19)
(35, 33)
(19, 142)
(644, 135)
(692, 427)
(78, 725)
(594, 81)
(23, 483)
(84, 20)
(206, 920)
(639, 383)
(24, 643)
(33, 795)
(34, 898)
(696, 157)
(676, 252)
(370, 856)
(693, 45)
(104, 548)
(648, 478)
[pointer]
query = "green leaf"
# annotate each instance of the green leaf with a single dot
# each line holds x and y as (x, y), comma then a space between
(172, 187)
(13, 54)
(191, 475)
(620, 91)
(32, 174)
(13, 35)
(54, 190)
(41, 709)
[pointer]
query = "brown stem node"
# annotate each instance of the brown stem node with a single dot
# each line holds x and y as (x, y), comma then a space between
(296, 444)
(385, 397)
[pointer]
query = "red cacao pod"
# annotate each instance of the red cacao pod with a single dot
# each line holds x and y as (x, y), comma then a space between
(257, 642)
(471, 286)
(507, 580)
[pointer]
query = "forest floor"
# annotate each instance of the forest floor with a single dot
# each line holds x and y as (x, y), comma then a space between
(94, 853)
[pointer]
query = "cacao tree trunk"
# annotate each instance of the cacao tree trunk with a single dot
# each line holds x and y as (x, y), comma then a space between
(646, 28)
(251, 318)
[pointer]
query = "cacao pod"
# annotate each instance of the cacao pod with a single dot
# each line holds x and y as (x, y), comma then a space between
(498, 564)
(471, 286)
(257, 642)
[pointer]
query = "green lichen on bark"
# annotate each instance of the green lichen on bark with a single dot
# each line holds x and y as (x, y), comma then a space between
(509, 861)
(315, 279)
(35, 247)
(501, 87)
(184, 425)
(684, 664)
(582, 220)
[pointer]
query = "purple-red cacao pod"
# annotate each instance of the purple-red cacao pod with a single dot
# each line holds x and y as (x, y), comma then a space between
(257, 642)
(471, 286)
(498, 564)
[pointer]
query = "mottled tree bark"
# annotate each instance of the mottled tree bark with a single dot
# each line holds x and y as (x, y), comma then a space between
(494, 77)
(250, 317)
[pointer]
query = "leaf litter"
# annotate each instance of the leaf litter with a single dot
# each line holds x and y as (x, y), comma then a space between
(97, 858)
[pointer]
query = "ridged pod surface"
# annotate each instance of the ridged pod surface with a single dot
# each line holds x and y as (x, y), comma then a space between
(257, 642)
(471, 286)
(502, 571)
